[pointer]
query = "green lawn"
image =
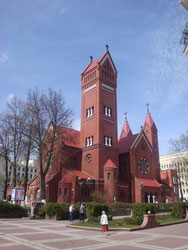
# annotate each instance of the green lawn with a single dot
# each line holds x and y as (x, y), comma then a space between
(121, 223)
(169, 219)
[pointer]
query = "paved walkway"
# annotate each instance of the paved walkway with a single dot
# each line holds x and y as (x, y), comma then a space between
(25, 234)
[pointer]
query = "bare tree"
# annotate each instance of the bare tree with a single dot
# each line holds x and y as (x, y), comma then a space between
(180, 145)
(5, 150)
(48, 111)
(27, 131)
(15, 121)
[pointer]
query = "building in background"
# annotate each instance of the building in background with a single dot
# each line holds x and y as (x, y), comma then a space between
(20, 171)
(178, 162)
(184, 37)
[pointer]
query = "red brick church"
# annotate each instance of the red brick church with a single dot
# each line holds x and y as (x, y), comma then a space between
(124, 170)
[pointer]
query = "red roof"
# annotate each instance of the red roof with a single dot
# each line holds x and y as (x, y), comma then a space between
(149, 182)
(149, 120)
(169, 197)
(71, 137)
(49, 177)
(126, 131)
(125, 143)
(79, 174)
(66, 179)
(94, 63)
(109, 164)
(33, 182)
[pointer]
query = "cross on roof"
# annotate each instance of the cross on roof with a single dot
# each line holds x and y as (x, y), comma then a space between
(147, 105)
(125, 116)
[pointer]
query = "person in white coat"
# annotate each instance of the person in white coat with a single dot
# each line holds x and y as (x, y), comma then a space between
(104, 222)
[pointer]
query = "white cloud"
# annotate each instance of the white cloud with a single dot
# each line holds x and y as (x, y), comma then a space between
(3, 58)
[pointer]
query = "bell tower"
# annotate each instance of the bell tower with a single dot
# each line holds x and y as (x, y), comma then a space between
(151, 132)
(99, 115)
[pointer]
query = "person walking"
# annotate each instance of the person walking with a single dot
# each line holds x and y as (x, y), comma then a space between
(82, 212)
(104, 222)
(71, 210)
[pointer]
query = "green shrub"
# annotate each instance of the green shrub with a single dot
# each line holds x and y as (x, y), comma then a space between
(61, 210)
(6, 207)
(179, 209)
(139, 209)
(42, 211)
(163, 207)
(95, 209)
(120, 208)
(51, 209)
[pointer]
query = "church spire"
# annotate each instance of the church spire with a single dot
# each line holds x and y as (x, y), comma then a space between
(148, 119)
(126, 131)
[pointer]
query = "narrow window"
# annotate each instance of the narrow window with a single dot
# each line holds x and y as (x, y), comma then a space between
(114, 176)
(109, 176)
(65, 192)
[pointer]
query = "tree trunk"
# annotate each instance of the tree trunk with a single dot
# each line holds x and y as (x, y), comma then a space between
(43, 189)
(6, 179)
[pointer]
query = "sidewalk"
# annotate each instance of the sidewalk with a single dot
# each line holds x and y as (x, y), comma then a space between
(25, 234)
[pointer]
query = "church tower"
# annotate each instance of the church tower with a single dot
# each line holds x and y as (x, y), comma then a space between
(151, 132)
(99, 116)
(126, 131)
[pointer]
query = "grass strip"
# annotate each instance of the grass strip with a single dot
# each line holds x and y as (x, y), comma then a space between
(169, 219)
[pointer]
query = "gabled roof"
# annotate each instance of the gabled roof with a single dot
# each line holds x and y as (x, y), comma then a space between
(100, 61)
(66, 179)
(93, 64)
(125, 143)
(49, 177)
(110, 164)
(70, 136)
(149, 182)
(126, 131)
(79, 174)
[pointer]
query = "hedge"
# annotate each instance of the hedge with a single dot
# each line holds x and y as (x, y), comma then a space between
(7, 209)
(139, 209)
(94, 210)
(179, 209)
(61, 211)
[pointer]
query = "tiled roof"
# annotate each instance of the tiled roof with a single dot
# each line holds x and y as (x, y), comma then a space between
(66, 179)
(93, 64)
(169, 197)
(110, 164)
(33, 182)
(126, 131)
(125, 143)
(149, 182)
(149, 120)
(49, 177)
(70, 136)
(79, 174)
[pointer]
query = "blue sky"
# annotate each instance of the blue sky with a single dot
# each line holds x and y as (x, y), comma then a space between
(47, 43)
